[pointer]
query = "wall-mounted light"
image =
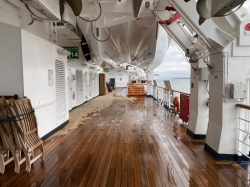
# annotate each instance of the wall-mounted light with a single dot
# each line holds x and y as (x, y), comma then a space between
(112, 58)
(145, 57)
(97, 31)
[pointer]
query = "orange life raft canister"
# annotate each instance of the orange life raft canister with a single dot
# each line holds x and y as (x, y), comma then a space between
(176, 104)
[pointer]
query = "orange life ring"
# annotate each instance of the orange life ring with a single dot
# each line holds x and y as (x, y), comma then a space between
(176, 104)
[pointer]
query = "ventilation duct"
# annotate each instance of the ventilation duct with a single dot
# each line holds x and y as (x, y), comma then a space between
(69, 31)
(76, 6)
(68, 15)
(48, 8)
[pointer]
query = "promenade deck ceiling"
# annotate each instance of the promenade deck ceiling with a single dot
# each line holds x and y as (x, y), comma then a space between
(117, 141)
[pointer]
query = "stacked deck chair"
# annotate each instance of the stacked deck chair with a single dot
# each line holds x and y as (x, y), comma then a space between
(25, 131)
(16, 96)
(7, 142)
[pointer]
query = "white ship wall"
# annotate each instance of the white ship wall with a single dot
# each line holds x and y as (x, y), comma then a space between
(81, 64)
(39, 56)
(9, 14)
(24, 71)
(121, 77)
(11, 77)
(26, 56)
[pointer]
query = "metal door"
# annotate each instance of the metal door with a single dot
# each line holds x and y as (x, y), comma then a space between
(87, 86)
(70, 89)
(79, 87)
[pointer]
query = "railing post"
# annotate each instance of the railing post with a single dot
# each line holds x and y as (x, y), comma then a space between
(239, 134)
(156, 92)
(152, 90)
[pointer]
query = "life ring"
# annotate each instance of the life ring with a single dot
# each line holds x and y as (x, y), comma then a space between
(176, 105)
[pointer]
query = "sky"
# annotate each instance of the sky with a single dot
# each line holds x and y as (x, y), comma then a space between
(175, 64)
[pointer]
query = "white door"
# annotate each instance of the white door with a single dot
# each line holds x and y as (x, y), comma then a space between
(70, 89)
(87, 86)
(96, 85)
(79, 88)
(60, 92)
(91, 86)
(84, 88)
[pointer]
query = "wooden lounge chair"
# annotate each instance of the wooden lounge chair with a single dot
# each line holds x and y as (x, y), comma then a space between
(25, 131)
(16, 96)
(7, 142)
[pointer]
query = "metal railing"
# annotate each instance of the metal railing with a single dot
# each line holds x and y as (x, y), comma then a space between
(164, 95)
(243, 130)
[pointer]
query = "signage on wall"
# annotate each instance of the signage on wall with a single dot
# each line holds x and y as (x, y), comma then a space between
(106, 69)
(74, 52)
(50, 77)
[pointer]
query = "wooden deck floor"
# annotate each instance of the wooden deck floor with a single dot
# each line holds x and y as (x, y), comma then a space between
(128, 144)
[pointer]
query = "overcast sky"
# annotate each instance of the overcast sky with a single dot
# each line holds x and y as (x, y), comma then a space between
(175, 64)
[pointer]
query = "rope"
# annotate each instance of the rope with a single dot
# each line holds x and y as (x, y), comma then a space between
(24, 116)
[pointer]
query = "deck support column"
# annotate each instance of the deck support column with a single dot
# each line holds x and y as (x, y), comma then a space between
(198, 119)
(221, 139)
(150, 76)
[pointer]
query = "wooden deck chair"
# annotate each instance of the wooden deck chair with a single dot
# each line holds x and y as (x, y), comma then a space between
(26, 132)
(16, 96)
(7, 143)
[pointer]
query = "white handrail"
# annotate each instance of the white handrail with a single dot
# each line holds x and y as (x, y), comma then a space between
(244, 154)
(243, 119)
(164, 95)
(243, 131)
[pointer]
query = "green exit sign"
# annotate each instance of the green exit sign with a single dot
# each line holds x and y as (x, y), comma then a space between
(74, 52)
(106, 69)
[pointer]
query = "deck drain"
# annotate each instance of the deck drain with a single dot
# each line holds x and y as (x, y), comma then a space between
(121, 106)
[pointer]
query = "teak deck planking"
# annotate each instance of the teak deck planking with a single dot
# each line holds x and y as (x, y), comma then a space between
(136, 145)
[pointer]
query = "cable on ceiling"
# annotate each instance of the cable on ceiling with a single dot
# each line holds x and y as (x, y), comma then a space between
(95, 18)
(97, 38)
(91, 21)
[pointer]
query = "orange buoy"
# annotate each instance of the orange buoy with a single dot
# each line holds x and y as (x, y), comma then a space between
(176, 104)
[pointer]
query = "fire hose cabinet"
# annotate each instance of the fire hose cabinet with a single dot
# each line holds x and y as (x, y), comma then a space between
(184, 107)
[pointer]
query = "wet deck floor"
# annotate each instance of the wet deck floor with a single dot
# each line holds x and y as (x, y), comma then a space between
(125, 142)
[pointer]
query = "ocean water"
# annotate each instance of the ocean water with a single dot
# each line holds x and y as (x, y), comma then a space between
(182, 85)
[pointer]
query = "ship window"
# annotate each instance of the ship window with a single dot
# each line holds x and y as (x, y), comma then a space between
(133, 81)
